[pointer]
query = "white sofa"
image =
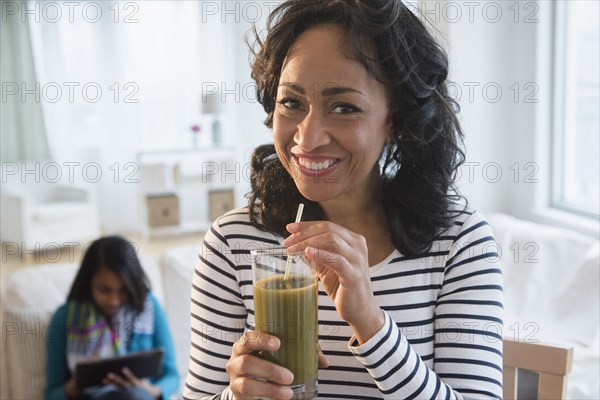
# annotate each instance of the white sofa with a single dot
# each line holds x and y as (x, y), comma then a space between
(39, 214)
(551, 294)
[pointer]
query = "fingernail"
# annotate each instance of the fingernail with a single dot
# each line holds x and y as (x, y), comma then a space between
(287, 393)
(275, 342)
(293, 249)
(288, 377)
(292, 227)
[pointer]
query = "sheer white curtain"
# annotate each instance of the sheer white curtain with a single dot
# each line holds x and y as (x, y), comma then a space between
(123, 85)
(22, 125)
(128, 80)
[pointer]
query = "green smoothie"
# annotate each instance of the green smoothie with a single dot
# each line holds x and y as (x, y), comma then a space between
(288, 309)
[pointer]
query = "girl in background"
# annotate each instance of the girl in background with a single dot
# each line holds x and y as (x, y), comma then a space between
(109, 312)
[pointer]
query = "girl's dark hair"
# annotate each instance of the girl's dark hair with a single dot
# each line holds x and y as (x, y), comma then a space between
(118, 256)
(419, 165)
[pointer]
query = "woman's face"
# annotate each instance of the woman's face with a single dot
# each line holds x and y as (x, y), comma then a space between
(108, 292)
(331, 119)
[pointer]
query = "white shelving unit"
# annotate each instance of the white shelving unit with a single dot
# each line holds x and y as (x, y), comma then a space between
(191, 175)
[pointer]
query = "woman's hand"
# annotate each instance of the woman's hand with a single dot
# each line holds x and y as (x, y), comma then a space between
(130, 380)
(251, 376)
(341, 259)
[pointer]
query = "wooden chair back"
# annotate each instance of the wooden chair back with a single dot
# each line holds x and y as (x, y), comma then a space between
(552, 362)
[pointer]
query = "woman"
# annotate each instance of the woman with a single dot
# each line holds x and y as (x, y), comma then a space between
(109, 311)
(365, 135)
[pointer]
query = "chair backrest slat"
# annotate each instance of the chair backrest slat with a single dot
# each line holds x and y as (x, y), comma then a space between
(552, 362)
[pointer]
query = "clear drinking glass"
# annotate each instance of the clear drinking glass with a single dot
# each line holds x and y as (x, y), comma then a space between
(286, 307)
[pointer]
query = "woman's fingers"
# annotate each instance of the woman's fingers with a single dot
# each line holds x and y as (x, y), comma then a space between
(253, 341)
(323, 362)
(329, 239)
(250, 387)
(326, 260)
(328, 233)
(328, 242)
(340, 258)
(315, 227)
(254, 366)
(252, 376)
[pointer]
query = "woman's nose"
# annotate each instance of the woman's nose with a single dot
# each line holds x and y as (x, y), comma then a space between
(312, 131)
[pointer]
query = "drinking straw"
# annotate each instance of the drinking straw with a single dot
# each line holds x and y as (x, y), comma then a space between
(288, 264)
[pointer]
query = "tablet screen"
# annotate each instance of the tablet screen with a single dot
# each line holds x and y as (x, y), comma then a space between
(143, 364)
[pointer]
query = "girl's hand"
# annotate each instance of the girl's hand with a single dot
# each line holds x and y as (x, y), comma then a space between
(251, 376)
(71, 389)
(129, 380)
(341, 260)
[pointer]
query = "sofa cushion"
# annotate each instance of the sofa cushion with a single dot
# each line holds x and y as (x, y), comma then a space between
(578, 302)
(178, 265)
(153, 271)
(41, 288)
(46, 286)
(550, 281)
(551, 293)
(45, 213)
(24, 345)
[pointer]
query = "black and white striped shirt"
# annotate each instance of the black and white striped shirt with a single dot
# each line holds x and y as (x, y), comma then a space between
(442, 337)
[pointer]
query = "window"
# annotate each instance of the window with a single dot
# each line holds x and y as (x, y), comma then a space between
(576, 131)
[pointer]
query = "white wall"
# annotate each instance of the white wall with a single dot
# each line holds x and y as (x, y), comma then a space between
(493, 67)
(228, 69)
(247, 115)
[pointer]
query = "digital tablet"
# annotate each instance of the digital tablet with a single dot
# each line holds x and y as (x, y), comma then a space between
(143, 364)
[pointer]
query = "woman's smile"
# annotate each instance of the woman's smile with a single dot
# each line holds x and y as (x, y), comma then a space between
(314, 166)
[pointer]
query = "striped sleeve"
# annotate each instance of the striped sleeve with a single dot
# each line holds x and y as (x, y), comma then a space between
(467, 330)
(218, 318)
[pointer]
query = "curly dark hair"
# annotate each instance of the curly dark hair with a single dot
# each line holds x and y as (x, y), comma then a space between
(419, 165)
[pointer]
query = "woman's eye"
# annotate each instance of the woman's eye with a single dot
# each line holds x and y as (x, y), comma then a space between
(292, 104)
(345, 109)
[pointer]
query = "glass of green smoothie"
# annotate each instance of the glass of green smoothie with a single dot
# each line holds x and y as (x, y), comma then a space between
(285, 305)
